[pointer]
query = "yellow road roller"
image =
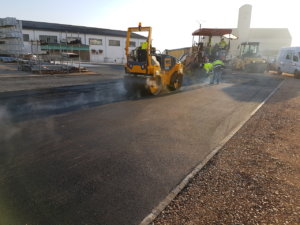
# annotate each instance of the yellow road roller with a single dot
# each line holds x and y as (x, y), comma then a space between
(249, 59)
(148, 71)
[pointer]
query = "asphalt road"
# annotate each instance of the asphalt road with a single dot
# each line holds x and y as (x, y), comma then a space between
(13, 80)
(31, 104)
(112, 163)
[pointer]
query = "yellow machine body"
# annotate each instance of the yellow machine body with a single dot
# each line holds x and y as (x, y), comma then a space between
(150, 71)
(249, 59)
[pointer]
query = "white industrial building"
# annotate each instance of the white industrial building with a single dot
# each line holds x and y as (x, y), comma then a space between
(92, 44)
(271, 40)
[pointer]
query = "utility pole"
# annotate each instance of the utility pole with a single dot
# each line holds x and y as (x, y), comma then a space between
(200, 27)
(79, 51)
(199, 35)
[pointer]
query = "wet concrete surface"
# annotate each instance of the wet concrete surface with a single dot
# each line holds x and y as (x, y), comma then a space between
(113, 163)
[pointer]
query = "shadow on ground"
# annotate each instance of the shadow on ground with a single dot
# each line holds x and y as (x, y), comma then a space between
(260, 84)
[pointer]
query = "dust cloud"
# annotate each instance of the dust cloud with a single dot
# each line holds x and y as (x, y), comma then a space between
(7, 128)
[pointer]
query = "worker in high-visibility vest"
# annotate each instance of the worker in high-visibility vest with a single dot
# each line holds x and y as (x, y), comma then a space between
(218, 67)
(144, 45)
(208, 67)
(222, 44)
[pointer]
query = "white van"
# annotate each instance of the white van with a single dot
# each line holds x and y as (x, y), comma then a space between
(288, 61)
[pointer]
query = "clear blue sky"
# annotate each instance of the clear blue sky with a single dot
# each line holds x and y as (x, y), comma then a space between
(172, 21)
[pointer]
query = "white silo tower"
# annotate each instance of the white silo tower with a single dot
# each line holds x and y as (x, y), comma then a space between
(244, 22)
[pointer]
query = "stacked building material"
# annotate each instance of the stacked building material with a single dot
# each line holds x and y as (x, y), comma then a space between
(48, 68)
(11, 37)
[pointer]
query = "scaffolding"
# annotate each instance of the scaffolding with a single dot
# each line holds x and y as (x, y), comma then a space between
(11, 37)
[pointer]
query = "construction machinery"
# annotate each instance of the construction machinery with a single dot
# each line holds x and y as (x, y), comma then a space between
(249, 59)
(147, 71)
(203, 49)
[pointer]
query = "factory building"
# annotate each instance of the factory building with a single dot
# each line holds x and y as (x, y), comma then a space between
(271, 40)
(90, 43)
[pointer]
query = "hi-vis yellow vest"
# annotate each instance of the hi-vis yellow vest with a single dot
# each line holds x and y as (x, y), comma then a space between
(144, 45)
(208, 67)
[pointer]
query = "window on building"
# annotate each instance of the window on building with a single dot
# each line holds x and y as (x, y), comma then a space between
(2, 42)
(46, 39)
(114, 43)
(94, 41)
(74, 40)
(132, 44)
(295, 58)
(71, 40)
(94, 51)
(25, 37)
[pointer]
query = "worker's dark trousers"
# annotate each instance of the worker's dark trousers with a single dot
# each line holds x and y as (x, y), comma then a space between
(216, 77)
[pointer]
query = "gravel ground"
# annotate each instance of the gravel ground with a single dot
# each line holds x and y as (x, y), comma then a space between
(255, 177)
